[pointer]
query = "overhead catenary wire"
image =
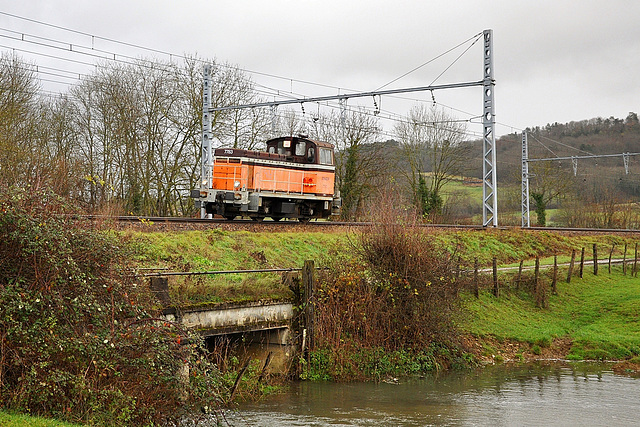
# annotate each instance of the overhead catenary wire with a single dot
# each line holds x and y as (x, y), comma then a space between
(111, 54)
(107, 56)
(547, 148)
(477, 36)
(169, 54)
(172, 55)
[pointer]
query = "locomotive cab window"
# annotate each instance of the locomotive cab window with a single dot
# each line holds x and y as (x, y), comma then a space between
(325, 156)
(300, 148)
(284, 147)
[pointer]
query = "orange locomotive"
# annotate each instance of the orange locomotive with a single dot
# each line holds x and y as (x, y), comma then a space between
(293, 178)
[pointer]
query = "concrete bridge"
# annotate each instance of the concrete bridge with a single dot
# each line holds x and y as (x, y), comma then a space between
(236, 318)
(269, 330)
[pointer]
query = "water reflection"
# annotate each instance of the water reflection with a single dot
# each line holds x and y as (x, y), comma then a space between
(530, 395)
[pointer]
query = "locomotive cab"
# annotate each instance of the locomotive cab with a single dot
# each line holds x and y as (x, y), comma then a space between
(302, 150)
(293, 178)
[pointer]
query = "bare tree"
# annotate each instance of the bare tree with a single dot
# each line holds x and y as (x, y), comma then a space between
(431, 141)
(242, 128)
(548, 182)
(62, 167)
(20, 156)
(360, 165)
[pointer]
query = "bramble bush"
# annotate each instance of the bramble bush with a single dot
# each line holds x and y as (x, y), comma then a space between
(79, 340)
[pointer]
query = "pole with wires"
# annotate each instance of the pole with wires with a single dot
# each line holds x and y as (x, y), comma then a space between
(489, 177)
(525, 181)
(206, 161)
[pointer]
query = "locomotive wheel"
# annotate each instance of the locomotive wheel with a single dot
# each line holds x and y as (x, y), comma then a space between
(304, 219)
(229, 217)
(276, 218)
(257, 218)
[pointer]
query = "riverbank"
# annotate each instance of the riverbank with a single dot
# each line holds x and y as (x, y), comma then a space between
(393, 335)
(595, 317)
(84, 341)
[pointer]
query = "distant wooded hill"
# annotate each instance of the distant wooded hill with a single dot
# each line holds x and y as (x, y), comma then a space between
(586, 137)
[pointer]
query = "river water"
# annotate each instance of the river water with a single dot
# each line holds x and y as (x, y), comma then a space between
(541, 394)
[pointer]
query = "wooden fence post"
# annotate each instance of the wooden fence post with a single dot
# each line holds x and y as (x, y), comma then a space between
(293, 281)
(160, 289)
(573, 260)
(540, 291)
(308, 279)
(554, 282)
(456, 284)
(519, 274)
(635, 262)
(581, 262)
(624, 260)
(595, 259)
(496, 289)
(611, 256)
(476, 285)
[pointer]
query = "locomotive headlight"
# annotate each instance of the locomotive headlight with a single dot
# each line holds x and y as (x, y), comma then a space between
(236, 184)
(204, 182)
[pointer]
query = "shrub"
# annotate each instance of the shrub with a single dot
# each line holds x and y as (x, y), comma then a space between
(78, 337)
(398, 293)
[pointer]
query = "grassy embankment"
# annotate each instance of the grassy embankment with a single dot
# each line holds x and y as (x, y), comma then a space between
(596, 317)
(217, 250)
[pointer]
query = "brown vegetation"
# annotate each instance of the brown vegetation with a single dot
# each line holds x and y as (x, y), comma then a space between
(398, 294)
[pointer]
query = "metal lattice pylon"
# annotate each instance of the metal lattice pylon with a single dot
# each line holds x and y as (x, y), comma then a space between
(489, 181)
(526, 221)
(207, 154)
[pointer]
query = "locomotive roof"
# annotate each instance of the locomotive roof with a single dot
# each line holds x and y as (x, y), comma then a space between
(301, 138)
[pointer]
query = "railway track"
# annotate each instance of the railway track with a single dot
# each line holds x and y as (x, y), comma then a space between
(248, 224)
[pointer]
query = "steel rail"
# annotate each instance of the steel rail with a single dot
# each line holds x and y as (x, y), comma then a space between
(178, 220)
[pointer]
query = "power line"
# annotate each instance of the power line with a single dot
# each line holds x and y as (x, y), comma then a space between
(548, 149)
(457, 59)
(69, 47)
(477, 36)
(173, 55)
(106, 55)
(88, 35)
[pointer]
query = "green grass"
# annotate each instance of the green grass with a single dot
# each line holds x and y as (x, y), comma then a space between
(474, 191)
(600, 314)
(13, 420)
(215, 250)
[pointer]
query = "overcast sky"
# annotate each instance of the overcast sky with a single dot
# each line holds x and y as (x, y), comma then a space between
(555, 60)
